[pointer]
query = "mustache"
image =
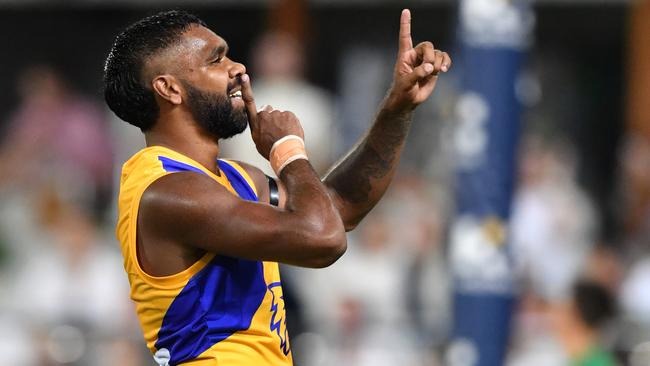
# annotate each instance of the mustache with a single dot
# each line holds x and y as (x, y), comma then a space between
(235, 85)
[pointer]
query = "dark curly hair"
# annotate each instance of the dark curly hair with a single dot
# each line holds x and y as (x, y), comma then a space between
(126, 94)
(595, 304)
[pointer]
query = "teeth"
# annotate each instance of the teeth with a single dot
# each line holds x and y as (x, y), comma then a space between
(236, 94)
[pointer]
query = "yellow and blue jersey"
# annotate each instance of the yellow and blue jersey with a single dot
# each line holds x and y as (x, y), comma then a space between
(219, 311)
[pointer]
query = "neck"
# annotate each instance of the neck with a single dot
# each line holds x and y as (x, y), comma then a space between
(184, 136)
(578, 341)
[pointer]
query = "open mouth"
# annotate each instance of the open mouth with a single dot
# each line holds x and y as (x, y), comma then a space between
(236, 94)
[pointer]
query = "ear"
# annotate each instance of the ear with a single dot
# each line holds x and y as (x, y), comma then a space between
(168, 88)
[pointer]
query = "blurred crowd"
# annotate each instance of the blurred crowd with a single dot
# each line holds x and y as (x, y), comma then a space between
(64, 298)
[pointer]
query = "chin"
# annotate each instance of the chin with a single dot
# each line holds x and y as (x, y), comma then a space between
(238, 127)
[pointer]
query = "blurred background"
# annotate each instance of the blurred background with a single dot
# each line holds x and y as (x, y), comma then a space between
(517, 231)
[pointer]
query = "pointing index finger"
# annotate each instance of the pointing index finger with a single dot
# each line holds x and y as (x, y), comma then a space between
(405, 41)
(249, 101)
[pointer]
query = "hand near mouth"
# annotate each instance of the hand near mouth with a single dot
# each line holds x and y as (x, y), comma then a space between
(268, 125)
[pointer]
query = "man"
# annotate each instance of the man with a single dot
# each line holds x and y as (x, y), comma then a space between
(201, 236)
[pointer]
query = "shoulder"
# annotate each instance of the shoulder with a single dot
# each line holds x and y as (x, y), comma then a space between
(179, 197)
(259, 179)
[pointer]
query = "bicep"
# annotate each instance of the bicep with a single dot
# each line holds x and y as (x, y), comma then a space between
(195, 211)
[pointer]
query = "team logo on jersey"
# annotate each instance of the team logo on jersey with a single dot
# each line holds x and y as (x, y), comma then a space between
(278, 318)
(162, 357)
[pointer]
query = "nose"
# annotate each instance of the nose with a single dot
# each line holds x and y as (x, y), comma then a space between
(236, 69)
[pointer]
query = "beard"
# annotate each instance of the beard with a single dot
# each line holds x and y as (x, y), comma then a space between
(214, 113)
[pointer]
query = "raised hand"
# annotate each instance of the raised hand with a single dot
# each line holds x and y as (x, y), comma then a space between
(416, 70)
(268, 125)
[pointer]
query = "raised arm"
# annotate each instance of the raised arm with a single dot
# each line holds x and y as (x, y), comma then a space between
(192, 210)
(361, 177)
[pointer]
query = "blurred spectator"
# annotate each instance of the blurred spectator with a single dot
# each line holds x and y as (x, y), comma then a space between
(533, 341)
(419, 211)
(566, 332)
(82, 273)
(386, 301)
(55, 131)
(553, 221)
(278, 66)
(552, 231)
(358, 304)
(64, 282)
(579, 322)
(70, 294)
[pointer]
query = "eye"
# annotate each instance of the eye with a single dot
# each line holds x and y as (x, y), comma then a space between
(218, 60)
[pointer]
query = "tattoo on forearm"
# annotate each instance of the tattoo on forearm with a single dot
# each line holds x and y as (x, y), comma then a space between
(364, 163)
(373, 159)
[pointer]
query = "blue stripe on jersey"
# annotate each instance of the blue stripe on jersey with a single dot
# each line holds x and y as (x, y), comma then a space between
(173, 166)
(241, 186)
(244, 190)
(218, 301)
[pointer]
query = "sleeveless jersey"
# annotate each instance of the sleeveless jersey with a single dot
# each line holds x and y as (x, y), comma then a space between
(221, 310)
